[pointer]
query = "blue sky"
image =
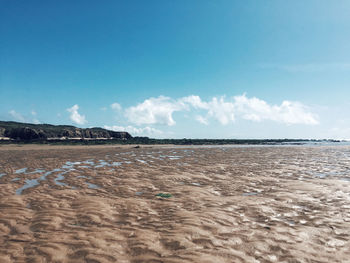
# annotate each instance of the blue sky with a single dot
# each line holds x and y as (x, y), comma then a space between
(175, 69)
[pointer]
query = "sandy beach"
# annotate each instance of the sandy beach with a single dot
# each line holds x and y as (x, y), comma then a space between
(226, 204)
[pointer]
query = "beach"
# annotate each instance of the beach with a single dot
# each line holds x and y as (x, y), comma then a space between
(220, 203)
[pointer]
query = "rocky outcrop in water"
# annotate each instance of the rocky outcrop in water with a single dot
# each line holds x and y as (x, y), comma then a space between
(27, 131)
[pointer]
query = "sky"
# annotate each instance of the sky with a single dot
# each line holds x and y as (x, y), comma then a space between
(179, 69)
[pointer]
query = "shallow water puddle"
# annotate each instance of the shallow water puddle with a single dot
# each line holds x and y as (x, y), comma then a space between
(129, 158)
(24, 171)
(43, 177)
(59, 178)
(250, 193)
(90, 162)
(19, 171)
(29, 183)
(66, 168)
(70, 165)
(92, 186)
(36, 171)
(171, 157)
(102, 163)
(174, 157)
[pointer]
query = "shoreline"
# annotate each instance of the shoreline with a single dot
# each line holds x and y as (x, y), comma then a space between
(34, 146)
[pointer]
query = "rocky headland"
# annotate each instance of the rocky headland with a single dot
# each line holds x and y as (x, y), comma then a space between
(10, 130)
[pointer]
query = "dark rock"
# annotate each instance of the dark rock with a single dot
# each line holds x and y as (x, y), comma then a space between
(24, 133)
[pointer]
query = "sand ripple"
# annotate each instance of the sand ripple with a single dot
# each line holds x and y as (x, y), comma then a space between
(228, 204)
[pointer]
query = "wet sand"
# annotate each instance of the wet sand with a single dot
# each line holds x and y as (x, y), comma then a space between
(228, 204)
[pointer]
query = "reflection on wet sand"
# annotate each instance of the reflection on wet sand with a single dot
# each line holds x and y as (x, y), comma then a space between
(217, 204)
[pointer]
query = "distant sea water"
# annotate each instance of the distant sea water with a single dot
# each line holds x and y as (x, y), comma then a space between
(279, 144)
(321, 143)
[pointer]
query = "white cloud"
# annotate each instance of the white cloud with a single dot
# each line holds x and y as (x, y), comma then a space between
(116, 106)
(154, 110)
(222, 111)
(135, 131)
(217, 108)
(202, 120)
(103, 108)
(16, 116)
(33, 112)
(160, 110)
(288, 112)
(75, 116)
(194, 101)
(252, 109)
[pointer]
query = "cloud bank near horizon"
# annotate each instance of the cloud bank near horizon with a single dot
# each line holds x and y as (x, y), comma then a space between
(147, 117)
(160, 110)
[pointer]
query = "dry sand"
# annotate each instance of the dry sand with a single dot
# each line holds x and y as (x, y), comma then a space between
(228, 204)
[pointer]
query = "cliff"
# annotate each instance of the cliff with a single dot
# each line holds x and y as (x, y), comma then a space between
(28, 131)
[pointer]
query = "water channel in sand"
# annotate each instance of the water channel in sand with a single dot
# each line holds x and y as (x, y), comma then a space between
(227, 204)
